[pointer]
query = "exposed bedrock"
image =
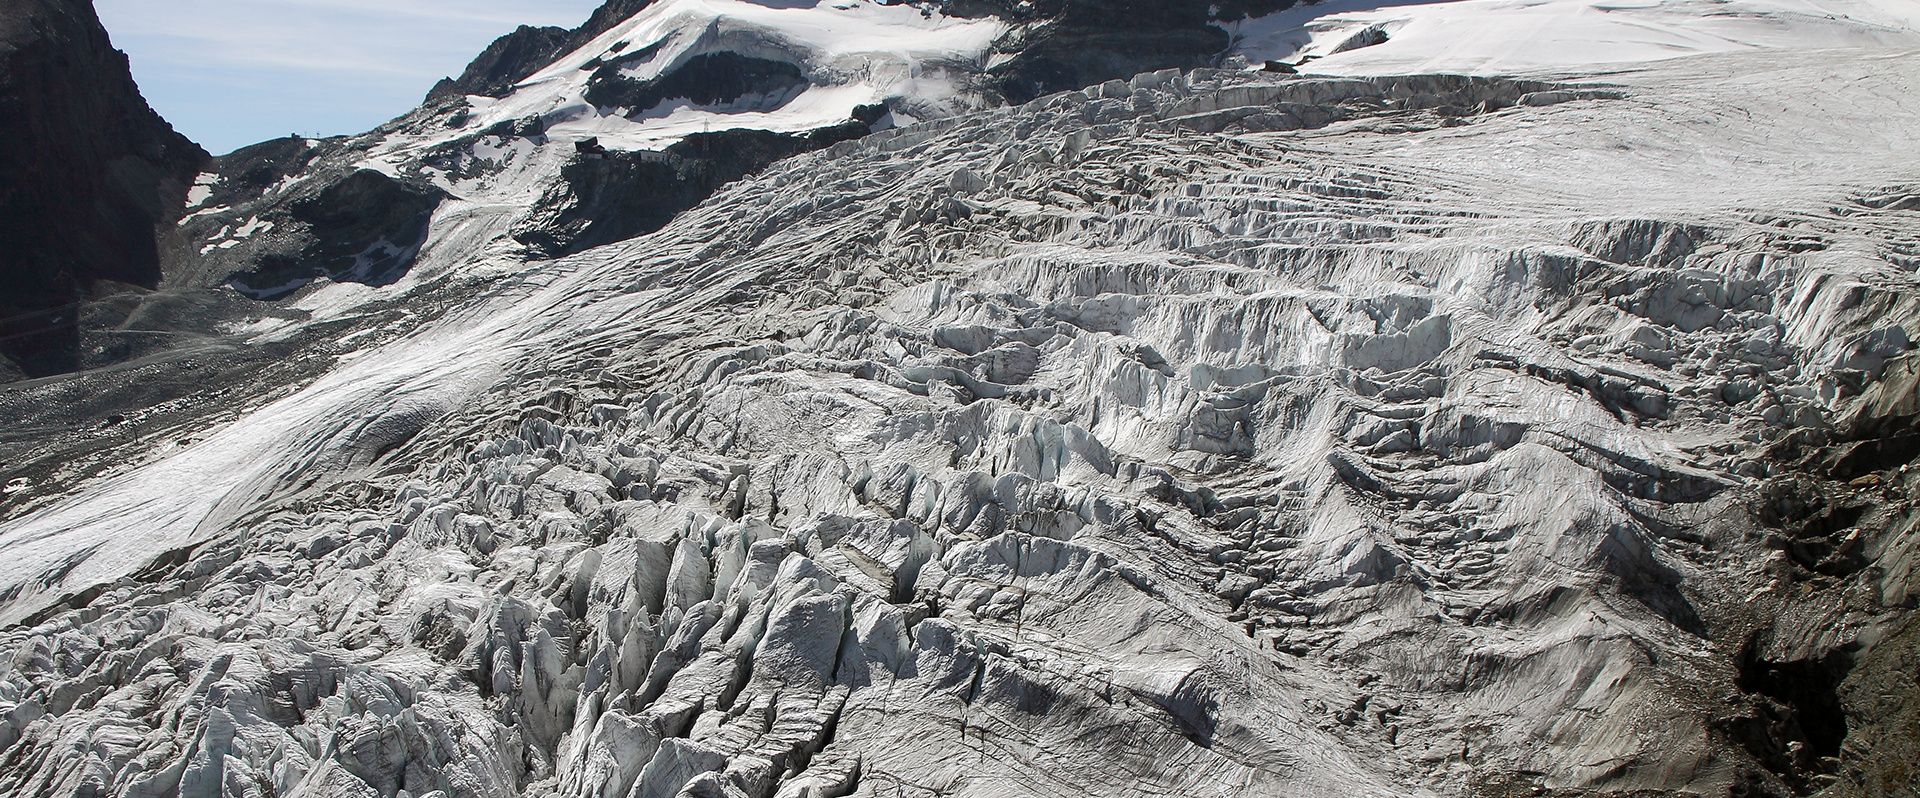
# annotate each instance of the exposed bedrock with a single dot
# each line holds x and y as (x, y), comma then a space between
(507, 61)
(603, 197)
(707, 79)
(275, 216)
(91, 180)
(1059, 45)
(366, 228)
(517, 55)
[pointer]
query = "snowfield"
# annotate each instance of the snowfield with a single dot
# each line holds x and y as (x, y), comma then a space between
(1509, 36)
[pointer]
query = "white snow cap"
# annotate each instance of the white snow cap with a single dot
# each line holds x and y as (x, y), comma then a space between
(853, 52)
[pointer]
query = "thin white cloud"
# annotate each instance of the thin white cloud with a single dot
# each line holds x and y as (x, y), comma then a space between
(414, 38)
(491, 14)
(190, 55)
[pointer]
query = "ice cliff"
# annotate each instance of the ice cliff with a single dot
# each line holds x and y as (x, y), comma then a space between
(1222, 431)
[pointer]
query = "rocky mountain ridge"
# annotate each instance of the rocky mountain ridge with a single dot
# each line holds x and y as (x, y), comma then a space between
(320, 233)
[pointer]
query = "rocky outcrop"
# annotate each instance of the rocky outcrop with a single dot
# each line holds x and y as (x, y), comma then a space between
(366, 228)
(707, 79)
(273, 217)
(91, 179)
(513, 57)
(505, 62)
(1060, 45)
(603, 197)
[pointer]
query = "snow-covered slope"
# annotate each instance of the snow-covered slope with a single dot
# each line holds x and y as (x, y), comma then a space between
(464, 176)
(1505, 36)
(850, 53)
(1207, 433)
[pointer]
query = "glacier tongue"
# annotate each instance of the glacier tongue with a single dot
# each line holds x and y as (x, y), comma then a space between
(1215, 433)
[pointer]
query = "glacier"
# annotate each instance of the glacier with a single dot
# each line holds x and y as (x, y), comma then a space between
(1376, 431)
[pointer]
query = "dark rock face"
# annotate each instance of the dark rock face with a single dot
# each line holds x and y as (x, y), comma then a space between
(251, 170)
(513, 57)
(1067, 44)
(287, 211)
(195, 259)
(1805, 708)
(613, 196)
(1833, 711)
(508, 60)
(89, 178)
(706, 79)
(365, 228)
(609, 14)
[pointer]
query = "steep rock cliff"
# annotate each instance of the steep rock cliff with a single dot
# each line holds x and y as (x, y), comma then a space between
(90, 178)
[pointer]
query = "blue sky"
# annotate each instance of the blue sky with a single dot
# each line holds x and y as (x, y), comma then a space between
(228, 73)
